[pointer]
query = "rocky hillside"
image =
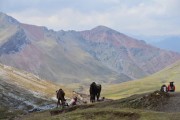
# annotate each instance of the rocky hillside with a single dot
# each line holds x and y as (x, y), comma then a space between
(124, 54)
(149, 106)
(23, 91)
(41, 51)
(101, 54)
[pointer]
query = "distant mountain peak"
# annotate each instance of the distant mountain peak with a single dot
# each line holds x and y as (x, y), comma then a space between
(5, 18)
(100, 54)
(1, 13)
(102, 28)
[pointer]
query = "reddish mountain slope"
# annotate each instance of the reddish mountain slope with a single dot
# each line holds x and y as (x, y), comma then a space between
(100, 54)
(41, 51)
(126, 54)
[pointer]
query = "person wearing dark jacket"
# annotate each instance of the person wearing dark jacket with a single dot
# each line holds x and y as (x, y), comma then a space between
(164, 88)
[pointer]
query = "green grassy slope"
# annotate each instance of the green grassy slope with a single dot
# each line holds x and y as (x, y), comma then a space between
(147, 84)
(102, 111)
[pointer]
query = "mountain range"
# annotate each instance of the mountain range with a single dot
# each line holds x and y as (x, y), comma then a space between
(100, 54)
(147, 84)
(166, 42)
(169, 43)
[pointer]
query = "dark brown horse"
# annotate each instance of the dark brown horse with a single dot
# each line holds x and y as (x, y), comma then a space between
(95, 90)
(60, 96)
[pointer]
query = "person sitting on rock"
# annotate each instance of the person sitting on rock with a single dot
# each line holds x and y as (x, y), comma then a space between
(171, 87)
(73, 102)
(164, 88)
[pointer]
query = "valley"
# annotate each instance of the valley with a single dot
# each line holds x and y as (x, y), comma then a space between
(36, 61)
(100, 54)
(147, 84)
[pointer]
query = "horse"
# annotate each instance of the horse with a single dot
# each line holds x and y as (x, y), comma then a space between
(60, 96)
(95, 90)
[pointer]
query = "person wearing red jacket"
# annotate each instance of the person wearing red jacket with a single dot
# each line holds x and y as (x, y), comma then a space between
(171, 87)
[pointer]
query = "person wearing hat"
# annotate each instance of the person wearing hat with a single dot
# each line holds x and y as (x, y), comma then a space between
(171, 87)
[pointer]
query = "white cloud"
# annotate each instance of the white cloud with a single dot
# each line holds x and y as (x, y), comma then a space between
(155, 17)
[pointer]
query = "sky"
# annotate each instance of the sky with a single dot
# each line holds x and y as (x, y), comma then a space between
(133, 17)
